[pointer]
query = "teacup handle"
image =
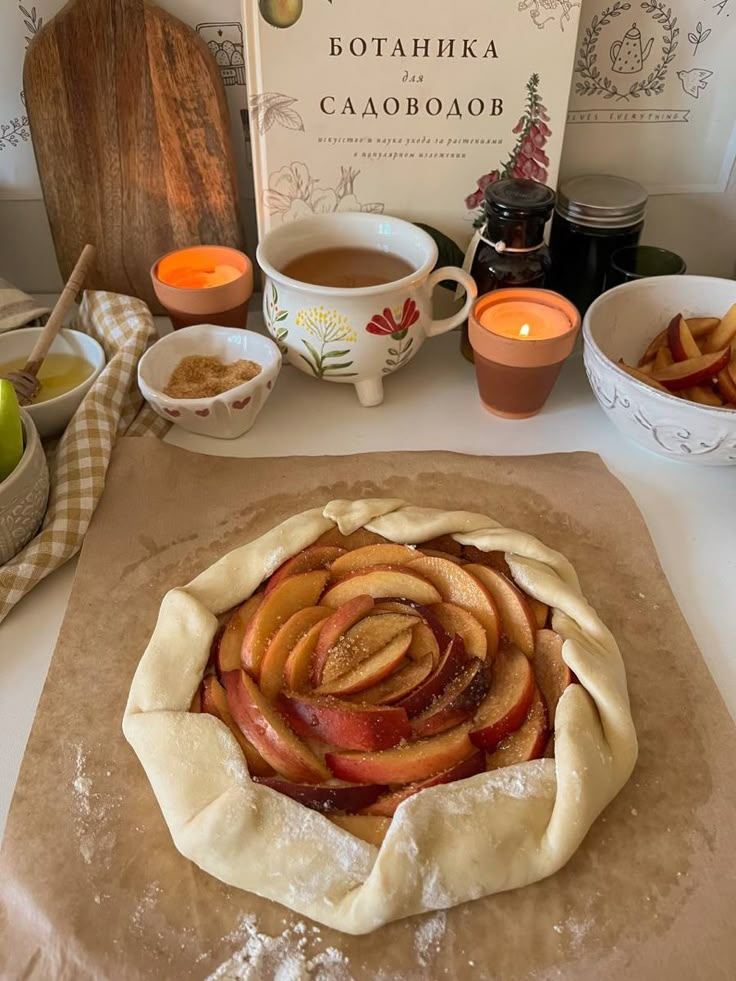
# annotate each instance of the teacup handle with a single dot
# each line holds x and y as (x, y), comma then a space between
(437, 327)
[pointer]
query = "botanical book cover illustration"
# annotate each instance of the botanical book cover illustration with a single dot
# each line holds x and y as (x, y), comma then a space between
(407, 108)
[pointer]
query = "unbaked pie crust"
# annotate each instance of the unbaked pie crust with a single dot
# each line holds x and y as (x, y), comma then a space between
(446, 845)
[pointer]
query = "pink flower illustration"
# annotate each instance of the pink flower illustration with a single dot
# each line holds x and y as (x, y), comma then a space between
(472, 201)
(385, 323)
(527, 159)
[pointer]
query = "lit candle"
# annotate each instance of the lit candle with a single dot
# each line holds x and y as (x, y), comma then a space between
(526, 320)
(520, 338)
(204, 284)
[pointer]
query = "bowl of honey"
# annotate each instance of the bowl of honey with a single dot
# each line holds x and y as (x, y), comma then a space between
(67, 374)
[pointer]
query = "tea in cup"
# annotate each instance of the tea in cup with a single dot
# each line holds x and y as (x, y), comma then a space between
(348, 297)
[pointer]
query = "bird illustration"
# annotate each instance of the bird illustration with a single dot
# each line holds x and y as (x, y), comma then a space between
(694, 80)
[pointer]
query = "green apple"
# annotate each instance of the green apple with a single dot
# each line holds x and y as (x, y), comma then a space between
(281, 13)
(11, 431)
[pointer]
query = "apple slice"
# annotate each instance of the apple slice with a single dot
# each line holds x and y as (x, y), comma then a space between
(394, 606)
(704, 395)
(451, 664)
(292, 594)
(196, 703)
(456, 620)
(640, 376)
(681, 342)
(372, 670)
(702, 326)
(685, 374)
(357, 539)
(553, 675)
(442, 543)
(404, 764)
(423, 642)
(383, 583)
(345, 724)
(214, 702)
(663, 360)
(496, 559)
(399, 684)
(539, 609)
(297, 669)
(507, 703)
(459, 586)
(283, 643)
(362, 641)
(327, 797)
(517, 620)
(386, 806)
(366, 826)
(437, 554)
(653, 347)
(309, 559)
(727, 381)
(457, 703)
(371, 555)
(527, 743)
(263, 724)
(229, 649)
(724, 334)
(334, 627)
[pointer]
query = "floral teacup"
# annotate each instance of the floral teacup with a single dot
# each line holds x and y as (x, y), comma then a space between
(354, 335)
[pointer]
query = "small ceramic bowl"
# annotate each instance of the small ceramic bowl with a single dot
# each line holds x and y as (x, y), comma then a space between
(620, 324)
(23, 495)
(52, 417)
(224, 416)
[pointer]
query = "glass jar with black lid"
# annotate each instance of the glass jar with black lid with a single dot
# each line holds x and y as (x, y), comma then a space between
(594, 216)
(511, 250)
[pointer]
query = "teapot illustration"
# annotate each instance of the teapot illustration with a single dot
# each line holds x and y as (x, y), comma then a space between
(628, 56)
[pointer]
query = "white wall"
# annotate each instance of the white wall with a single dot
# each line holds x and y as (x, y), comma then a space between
(700, 227)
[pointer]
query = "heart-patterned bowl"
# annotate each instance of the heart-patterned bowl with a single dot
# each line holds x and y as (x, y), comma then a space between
(224, 416)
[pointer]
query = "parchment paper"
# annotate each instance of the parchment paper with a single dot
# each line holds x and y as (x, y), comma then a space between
(91, 885)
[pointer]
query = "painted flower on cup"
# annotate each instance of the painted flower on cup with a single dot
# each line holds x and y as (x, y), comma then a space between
(395, 324)
(327, 328)
(293, 193)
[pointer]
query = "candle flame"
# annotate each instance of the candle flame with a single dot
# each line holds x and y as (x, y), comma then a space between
(524, 330)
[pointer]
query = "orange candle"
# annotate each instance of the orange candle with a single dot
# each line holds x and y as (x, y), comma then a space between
(204, 284)
(520, 338)
(524, 320)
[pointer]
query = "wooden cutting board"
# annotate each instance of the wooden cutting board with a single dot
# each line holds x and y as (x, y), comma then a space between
(131, 134)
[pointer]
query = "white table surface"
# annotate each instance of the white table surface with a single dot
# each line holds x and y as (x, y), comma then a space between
(433, 404)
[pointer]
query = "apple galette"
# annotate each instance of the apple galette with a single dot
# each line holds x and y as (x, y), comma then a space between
(376, 710)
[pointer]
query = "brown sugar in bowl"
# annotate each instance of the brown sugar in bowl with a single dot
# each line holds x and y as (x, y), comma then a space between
(228, 414)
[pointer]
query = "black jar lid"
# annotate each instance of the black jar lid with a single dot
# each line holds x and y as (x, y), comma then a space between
(602, 201)
(517, 198)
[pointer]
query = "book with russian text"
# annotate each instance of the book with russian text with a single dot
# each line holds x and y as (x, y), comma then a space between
(406, 107)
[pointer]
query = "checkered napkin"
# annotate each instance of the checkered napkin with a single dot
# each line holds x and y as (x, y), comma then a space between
(78, 463)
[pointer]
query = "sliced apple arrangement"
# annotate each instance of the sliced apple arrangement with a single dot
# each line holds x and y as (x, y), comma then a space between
(363, 672)
(693, 359)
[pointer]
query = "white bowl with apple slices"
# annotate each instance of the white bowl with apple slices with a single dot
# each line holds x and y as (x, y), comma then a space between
(620, 325)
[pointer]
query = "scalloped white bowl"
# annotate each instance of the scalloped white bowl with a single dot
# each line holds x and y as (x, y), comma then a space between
(620, 324)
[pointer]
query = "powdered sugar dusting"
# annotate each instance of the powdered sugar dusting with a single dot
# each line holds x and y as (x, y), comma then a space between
(92, 814)
(429, 935)
(283, 958)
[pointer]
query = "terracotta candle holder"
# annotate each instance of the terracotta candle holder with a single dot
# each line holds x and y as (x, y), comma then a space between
(204, 284)
(520, 338)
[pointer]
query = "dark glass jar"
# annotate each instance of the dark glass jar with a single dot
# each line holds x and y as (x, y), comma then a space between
(511, 251)
(594, 216)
